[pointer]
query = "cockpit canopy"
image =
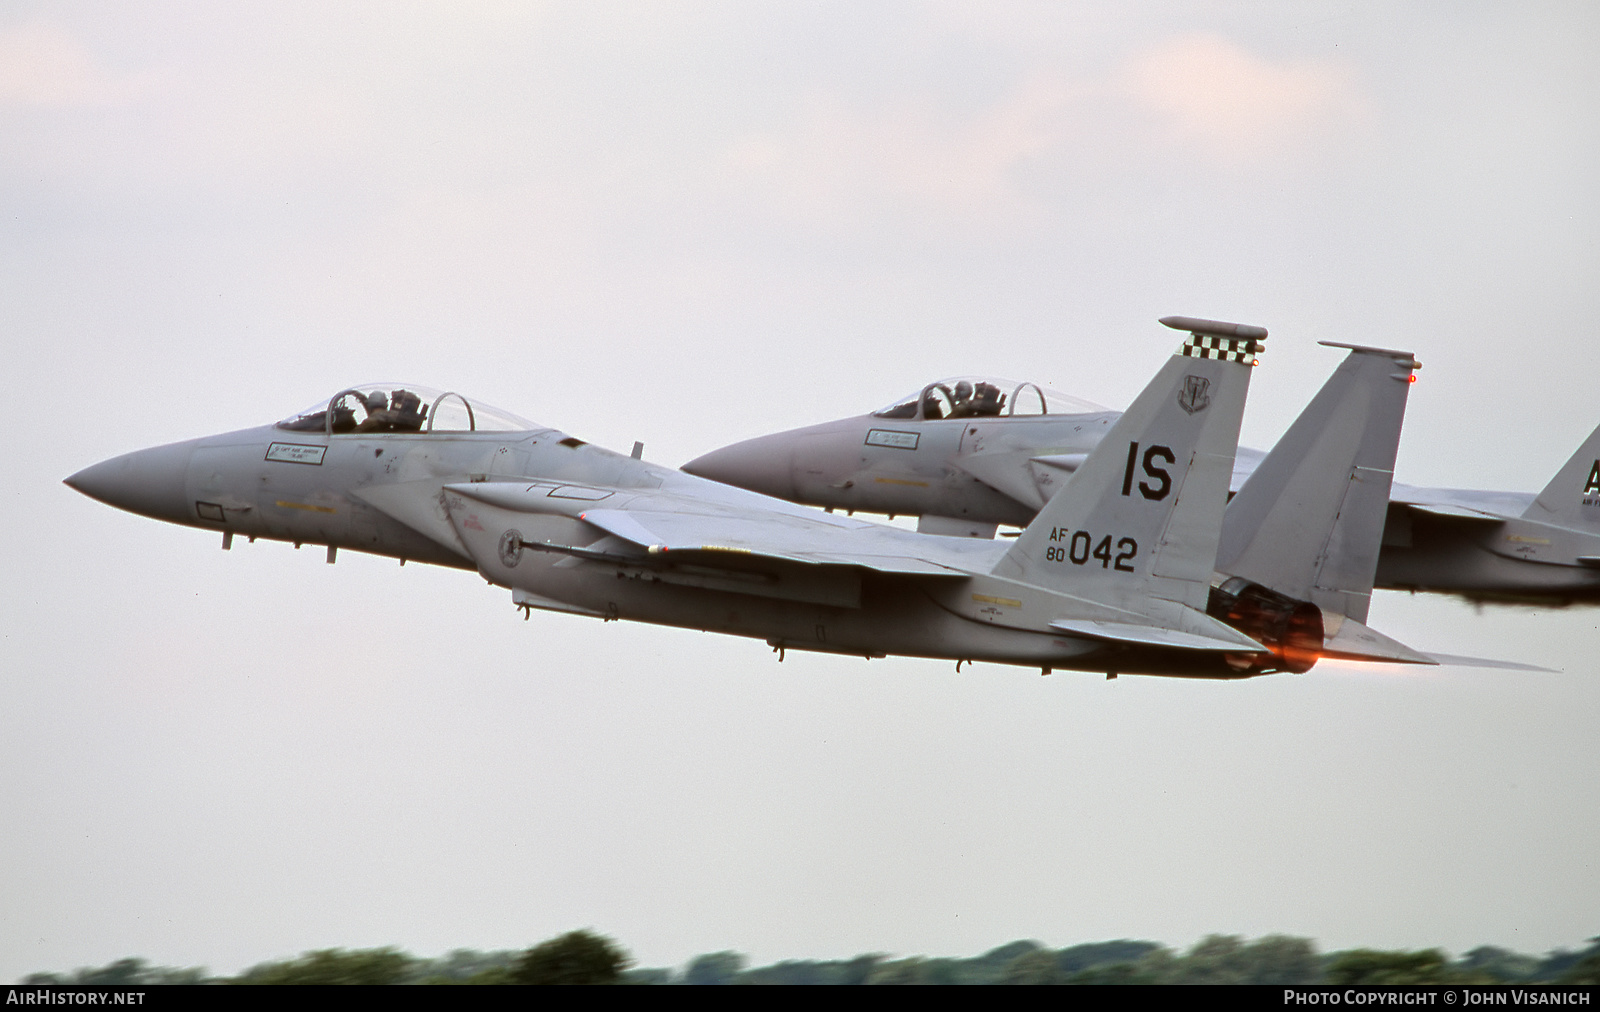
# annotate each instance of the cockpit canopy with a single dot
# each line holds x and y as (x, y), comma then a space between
(985, 397)
(402, 407)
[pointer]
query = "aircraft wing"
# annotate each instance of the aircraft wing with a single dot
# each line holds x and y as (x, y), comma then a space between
(1244, 465)
(775, 537)
(1461, 504)
(668, 526)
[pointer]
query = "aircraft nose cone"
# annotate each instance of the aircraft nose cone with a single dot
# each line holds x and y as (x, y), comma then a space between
(760, 465)
(148, 482)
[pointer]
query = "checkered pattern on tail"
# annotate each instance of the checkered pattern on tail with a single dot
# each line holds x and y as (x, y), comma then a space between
(1227, 349)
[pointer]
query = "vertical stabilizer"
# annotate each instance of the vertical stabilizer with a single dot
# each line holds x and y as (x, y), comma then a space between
(1572, 499)
(1141, 517)
(1309, 521)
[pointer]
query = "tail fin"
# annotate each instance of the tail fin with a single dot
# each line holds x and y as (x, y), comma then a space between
(1141, 517)
(1573, 497)
(1309, 521)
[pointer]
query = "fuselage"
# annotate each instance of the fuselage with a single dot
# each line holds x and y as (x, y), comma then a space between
(1000, 470)
(385, 492)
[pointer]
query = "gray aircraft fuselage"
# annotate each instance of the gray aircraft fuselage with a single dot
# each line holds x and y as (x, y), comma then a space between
(424, 496)
(969, 475)
(233, 484)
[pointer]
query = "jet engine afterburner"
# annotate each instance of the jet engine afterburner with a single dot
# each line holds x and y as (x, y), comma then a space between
(1291, 629)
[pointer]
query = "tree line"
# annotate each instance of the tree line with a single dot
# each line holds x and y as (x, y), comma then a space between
(583, 957)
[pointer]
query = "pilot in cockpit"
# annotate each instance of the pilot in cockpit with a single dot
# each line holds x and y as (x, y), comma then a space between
(379, 417)
(961, 400)
(401, 413)
(980, 401)
(408, 411)
(987, 400)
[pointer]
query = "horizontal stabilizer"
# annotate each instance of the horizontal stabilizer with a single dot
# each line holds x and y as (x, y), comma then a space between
(1356, 641)
(1455, 512)
(1456, 660)
(1156, 636)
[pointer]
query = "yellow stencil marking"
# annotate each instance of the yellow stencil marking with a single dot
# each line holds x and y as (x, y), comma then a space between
(286, 504)
(1007, 601)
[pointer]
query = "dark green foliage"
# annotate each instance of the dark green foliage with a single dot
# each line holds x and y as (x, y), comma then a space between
(1561, 964)
(650, 975)
(583, 957)
(1586, 970)
(465, 966)
(1281, 959)
(1501, 965)
(801, 971)
(1076, 958)
(1117, 973)
(1003, 955)
(1228, 959)
(917, 970)
(387, 965)
(1036, 967)
(856, 971)
(714, 968)
(1216, 959)
(1370, 966)
(991, 967)
(124, 973)
(577, 957)
(120, 973)
(898, 971)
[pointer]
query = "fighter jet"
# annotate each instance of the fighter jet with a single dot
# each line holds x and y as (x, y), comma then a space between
(969, 454)
(1116, 574)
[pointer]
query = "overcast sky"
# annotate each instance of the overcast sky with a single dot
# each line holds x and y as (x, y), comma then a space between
(691, 223)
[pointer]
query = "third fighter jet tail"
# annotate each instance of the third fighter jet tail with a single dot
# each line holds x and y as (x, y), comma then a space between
(1572, 499)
